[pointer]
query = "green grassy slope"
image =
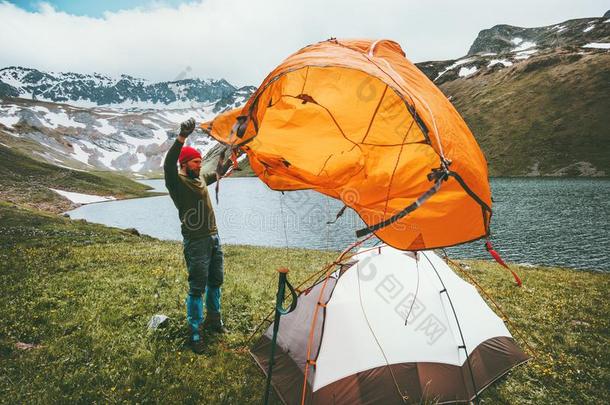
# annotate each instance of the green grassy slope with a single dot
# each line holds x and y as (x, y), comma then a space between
(25, 180)
(542, 116)
(84, 293)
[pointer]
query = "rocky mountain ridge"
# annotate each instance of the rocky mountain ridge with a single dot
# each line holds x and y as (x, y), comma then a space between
(125, 92)
(97, 138)
(94, 122)
(577, 32)
(536, 99)
(503, 46)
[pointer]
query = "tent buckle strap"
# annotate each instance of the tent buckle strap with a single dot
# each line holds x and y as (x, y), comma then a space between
(410, 208)
(440, 173)
(420, 123)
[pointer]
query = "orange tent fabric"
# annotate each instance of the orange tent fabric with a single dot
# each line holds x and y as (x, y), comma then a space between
(356, 120)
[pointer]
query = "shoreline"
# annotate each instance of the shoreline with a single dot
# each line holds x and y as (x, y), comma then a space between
(519, 264)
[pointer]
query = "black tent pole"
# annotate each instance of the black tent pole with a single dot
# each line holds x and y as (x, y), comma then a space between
(279, 311)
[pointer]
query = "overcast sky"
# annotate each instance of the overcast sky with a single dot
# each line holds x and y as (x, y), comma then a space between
(242, 41)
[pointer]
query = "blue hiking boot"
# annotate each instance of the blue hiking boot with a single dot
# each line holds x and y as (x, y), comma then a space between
(194, 317)
(213, 320)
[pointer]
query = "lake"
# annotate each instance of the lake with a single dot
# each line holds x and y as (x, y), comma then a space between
(554, 222)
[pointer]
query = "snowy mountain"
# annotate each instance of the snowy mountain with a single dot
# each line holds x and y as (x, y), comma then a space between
(536, 99)
(503, 46)
(96, 122)
(97, 138)
(125, 92)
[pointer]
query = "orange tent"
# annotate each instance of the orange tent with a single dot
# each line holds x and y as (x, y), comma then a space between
(356, 120)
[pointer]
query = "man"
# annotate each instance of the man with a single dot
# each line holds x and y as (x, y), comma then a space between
(202, 250)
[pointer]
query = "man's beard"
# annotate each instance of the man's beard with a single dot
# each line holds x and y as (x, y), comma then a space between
(193, 174)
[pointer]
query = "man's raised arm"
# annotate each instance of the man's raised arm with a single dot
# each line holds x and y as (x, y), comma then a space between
(170, 167)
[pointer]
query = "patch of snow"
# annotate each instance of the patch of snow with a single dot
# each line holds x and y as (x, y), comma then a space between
(559, 28)
(504, 62)
(108, 113)
(454, 65)
(71, 168)
(9, 108)
(141, 160)
(57, 119)
(105, 127)
(80, 198)
(516, 40)
(146, 121)
(607, 21)
(465, 71)
(107, 156)
(489, 54)
(8, 115)
(597, 45)
(9, 120)
(39, 108)
(589, 28)
(525, 54)
(159, 136)
(525, 45)
(79, 154)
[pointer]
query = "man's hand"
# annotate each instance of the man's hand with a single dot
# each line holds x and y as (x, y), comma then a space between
(187, 127)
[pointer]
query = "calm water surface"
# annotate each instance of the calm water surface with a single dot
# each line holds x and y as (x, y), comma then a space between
(555, 222)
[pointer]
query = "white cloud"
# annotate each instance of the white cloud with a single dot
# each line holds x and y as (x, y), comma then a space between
(243, 40)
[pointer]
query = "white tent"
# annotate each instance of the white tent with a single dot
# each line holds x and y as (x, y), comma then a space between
(390, 327)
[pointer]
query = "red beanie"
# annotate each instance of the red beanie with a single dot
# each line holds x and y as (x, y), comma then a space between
(187, 153)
